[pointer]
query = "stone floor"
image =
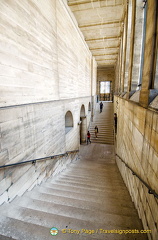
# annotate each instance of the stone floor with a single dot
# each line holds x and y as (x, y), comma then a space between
(83, 202)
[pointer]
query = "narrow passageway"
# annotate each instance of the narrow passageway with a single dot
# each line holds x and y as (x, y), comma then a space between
(83, 202)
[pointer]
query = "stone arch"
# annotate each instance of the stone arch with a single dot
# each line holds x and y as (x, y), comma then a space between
(82, 111)
(83, 125)
(68, 121)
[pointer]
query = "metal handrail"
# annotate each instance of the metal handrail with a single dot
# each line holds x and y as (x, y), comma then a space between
(150, 190)
(33, 161)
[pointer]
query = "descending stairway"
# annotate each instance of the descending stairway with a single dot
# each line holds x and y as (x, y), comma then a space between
(89, 195)
(105, 122)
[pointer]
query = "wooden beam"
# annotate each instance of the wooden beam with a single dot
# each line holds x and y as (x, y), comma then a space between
(74, 3)
(98, 39)
(105, 54)
(105, 60)
(100, 24)
(113, 47)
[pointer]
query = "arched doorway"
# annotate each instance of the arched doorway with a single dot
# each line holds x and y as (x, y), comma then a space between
(83, 125)
(68, 121)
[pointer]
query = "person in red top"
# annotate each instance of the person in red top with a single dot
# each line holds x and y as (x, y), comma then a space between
(88, 137)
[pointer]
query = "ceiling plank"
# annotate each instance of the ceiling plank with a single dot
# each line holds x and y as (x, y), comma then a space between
(103, 48)
(105, 54)
(103, 38)
(73, 3)
(100, 24)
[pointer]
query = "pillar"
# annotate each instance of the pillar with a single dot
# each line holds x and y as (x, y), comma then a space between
(124, 50)
(83, 129)
(147, 76)
(131, 48)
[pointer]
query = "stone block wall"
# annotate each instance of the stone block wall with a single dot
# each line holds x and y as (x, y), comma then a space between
(46, 69)
(137, 145)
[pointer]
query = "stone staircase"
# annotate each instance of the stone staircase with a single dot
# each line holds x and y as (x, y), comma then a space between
(104, 121)
(87, 197)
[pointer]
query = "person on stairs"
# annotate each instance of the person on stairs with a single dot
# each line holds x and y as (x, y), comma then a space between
(96, 131)
(115, 122)
(101, 107)
(88, 137)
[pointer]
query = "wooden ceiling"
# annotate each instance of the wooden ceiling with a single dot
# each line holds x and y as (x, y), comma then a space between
(101, 22)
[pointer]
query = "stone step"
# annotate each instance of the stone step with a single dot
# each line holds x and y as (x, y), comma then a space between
(97, 179)
(75, 212)
(67, 192)
(22, 230)
(66, 197)
(102, 137)
(100, 184)
(2, 237)
(102, 134)
(78, 219)
(83, 176)
(66, 210)
(105, 123)
(82, 203)
(57, 188)
(94, 140)
(27, 231)
(88, 183)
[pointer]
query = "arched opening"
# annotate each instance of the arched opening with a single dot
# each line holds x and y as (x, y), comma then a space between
(82, 112)
(68, 121)
(83, 125)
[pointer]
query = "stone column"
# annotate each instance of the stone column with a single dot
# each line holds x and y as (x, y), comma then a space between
(120, 61)
(147, 76)
(131, 47)
(129, 25)
(124, 50)
(83, 129)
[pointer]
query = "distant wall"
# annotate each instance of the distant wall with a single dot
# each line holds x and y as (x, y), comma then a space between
(137, 145)
(105, 74)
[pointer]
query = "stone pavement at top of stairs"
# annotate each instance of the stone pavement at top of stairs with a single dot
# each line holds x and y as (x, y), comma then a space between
(89, 194)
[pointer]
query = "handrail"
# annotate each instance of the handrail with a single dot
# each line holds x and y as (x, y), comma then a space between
(33, 161)
(150, 190)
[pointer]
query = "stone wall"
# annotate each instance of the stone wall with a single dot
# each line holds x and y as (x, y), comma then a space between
(137, 145)
(46, 70)
(43, 54)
